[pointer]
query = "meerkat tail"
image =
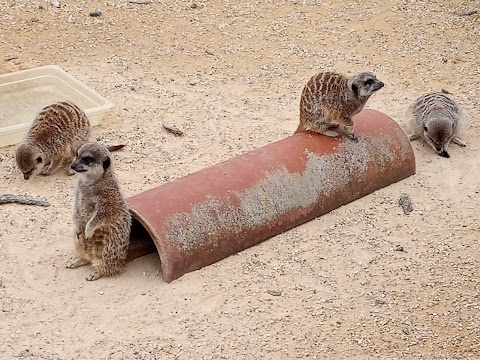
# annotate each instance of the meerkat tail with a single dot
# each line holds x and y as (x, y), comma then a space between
(19, 199)
(113, 148)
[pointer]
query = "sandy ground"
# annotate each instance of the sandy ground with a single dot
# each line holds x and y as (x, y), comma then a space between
(230, 73)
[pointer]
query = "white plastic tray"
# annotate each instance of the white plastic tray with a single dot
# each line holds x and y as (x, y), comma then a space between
(24, 93)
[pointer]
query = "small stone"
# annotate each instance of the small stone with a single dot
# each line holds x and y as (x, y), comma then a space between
(406, 203)
(193, 6)
(96, 13)
(101, 292)
(274, 292)
(399, 248)
(173, 129)
(55, 3)
(465, 12)
(140, 1)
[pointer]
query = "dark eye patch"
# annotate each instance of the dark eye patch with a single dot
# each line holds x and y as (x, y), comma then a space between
(369, 82)
(38, 160)
(87, 160)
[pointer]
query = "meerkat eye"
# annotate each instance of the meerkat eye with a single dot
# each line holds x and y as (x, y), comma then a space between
(425, 128)
(38, 160)
(87, 160)
(369, 82)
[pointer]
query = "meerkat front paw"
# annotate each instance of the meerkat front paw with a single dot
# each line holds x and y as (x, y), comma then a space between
(76, 262)
(93, 276)
(89, 231)
(70, 172)
(459, 142)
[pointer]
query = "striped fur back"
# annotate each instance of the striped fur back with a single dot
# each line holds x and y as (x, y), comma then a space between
(322, 90)
(58, 126)
(434, 104)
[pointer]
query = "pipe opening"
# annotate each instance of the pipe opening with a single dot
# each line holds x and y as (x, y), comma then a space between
(141, 243)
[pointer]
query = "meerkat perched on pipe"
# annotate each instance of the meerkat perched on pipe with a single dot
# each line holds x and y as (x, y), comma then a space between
(101, 216)
(54, 137)
(435, 117)
(329, 100)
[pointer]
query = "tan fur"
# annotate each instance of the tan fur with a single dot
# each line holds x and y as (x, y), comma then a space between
(436, 118)
(53, 139)
(329, 100)
(101, 216)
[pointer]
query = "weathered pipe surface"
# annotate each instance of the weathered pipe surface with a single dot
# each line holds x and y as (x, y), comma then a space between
(213, 213)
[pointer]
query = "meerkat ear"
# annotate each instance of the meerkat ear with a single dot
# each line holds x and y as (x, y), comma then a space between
(106, 163)
(355, 89)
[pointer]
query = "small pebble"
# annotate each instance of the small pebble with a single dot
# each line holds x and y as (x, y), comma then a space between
(274, 292)
(139, 1)
(55, 3)
(96, 13)
(465, 12)
(399, 248)
(173, 129)
(406, 203)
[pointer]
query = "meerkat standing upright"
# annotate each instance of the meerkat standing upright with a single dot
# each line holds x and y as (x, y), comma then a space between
(54, 137)
(329, 100)
(101, 216)
(435, 117)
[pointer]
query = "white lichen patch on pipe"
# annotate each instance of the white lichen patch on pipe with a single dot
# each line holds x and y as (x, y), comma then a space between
(279, 193)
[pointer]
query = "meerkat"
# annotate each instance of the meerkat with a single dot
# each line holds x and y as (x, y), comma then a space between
(101, 216)
(53, 139)
(436, 117)
(329, 100)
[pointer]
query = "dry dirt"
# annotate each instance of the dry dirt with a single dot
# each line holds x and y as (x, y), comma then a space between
(229, 73)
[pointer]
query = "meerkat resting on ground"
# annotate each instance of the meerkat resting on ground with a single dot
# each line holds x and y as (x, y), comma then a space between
(53, 139)
(101, 216)
(436, 117)
(329, 100)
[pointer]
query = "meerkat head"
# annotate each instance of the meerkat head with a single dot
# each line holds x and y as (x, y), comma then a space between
(92, 160)
(438, 133)
(30, 160)
(364, 84)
